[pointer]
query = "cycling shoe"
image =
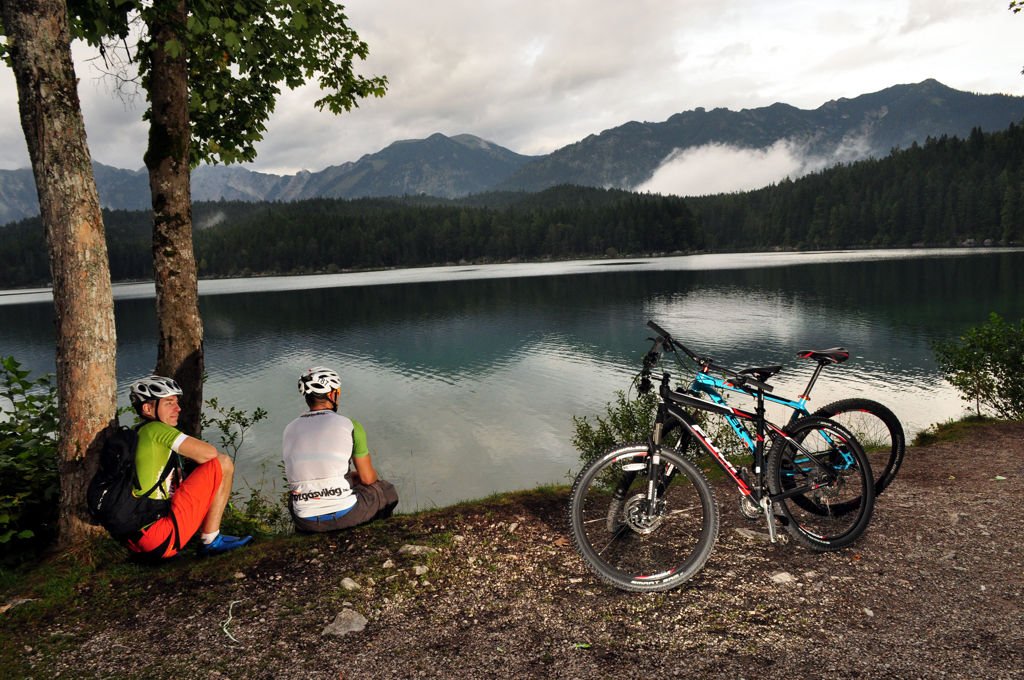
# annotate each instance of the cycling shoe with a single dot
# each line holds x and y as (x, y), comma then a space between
(224, 543)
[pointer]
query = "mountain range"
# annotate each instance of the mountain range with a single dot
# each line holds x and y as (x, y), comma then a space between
(624, 157)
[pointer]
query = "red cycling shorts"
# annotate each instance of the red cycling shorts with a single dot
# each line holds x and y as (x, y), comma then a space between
(189, 505)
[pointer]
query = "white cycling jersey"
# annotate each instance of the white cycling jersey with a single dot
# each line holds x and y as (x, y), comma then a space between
(318, 447)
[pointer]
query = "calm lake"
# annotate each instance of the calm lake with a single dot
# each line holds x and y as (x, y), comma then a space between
(466, 378)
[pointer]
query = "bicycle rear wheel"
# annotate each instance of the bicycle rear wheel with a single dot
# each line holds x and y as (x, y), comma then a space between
(827, 483)
(633, 546)
(878, 431)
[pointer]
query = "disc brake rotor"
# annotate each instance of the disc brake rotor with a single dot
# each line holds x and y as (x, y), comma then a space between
(637, 517)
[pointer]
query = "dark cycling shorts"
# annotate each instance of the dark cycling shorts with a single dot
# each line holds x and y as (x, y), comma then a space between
(373, 501)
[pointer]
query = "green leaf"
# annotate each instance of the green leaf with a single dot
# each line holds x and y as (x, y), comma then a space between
(173, 48)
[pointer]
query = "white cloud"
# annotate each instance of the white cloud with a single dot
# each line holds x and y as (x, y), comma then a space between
(718, 168)
(534, 76)
(721, 168)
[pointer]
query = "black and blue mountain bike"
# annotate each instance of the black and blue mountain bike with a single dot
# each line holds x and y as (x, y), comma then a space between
(875, 426)
(644, 516)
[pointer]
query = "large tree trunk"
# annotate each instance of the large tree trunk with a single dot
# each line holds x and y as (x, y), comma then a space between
(51, 117)
(180, 352)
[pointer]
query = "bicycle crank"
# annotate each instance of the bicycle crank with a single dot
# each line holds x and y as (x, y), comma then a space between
(749, 508)
(773, 522)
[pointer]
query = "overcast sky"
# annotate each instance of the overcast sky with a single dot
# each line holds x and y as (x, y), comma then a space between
(536, 75)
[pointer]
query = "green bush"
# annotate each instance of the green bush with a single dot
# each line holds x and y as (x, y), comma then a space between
(625, 422)
(29, 484)
(986, 365)
(232, 423)
(262, 512)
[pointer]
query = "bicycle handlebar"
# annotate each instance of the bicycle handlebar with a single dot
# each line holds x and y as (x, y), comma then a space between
(706, 363)
(674, 344)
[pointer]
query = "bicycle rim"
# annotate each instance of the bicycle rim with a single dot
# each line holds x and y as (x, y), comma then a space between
(628, 544)
(836, 506)
(878, 431)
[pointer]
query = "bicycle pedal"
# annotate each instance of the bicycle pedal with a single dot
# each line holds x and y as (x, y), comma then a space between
(776, 523)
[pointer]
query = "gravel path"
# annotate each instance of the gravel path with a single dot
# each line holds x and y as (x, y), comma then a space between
(934, 589)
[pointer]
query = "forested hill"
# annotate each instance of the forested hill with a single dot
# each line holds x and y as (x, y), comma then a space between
(944, 192)
(947, 191)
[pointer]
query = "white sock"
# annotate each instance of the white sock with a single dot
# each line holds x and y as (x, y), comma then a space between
(209, 538)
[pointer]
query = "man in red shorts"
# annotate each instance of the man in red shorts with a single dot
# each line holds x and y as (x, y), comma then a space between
(197, 502)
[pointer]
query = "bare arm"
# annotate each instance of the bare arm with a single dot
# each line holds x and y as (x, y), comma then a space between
(364, 468)
(197, 450)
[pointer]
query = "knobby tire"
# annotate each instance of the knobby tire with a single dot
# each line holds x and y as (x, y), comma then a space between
(629, 548)
(836, 513)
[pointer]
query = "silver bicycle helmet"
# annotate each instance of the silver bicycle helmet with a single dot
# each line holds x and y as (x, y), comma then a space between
(319, 380)
(153, 387)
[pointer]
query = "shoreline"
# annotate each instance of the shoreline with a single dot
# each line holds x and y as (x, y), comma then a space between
(496, 589)
(485, 269)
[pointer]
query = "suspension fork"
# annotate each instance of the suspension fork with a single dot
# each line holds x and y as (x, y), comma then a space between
(653, 447)
(654, 460)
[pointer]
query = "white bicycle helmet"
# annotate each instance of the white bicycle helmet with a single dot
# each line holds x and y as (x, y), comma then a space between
(153, 387)
(319, 380)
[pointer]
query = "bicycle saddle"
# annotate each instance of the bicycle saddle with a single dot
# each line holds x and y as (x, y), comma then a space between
(834, 355)
(762, 373)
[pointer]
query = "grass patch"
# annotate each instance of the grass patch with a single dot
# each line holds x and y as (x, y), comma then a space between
(541, 494)
(951, 430)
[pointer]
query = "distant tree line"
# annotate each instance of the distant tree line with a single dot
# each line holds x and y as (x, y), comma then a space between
(335, 234)
(944, 192)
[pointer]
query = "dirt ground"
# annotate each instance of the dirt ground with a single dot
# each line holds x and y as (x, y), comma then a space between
(935, 589)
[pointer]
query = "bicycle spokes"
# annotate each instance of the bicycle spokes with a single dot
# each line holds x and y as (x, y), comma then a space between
(822, 483)
(636, 541)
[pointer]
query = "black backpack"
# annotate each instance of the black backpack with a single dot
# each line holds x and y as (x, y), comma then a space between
(109, 496)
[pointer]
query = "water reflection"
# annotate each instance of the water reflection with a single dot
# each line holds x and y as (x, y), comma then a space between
(467, 387)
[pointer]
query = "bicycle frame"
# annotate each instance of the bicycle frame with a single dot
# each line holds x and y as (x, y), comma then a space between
(645, 517)
(673, 404)
(709, 384)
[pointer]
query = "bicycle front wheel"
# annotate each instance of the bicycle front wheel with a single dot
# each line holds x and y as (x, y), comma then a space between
(824, 483)
(878, 431)
(634, 544)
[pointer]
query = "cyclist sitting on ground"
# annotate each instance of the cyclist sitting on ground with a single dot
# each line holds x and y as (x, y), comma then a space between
(198, 501)
(318, 447)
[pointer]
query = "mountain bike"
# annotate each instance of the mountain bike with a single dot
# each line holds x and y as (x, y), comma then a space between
(644, 516)
(876, 427)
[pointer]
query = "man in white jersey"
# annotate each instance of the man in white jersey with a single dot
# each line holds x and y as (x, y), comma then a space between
(318, 448)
